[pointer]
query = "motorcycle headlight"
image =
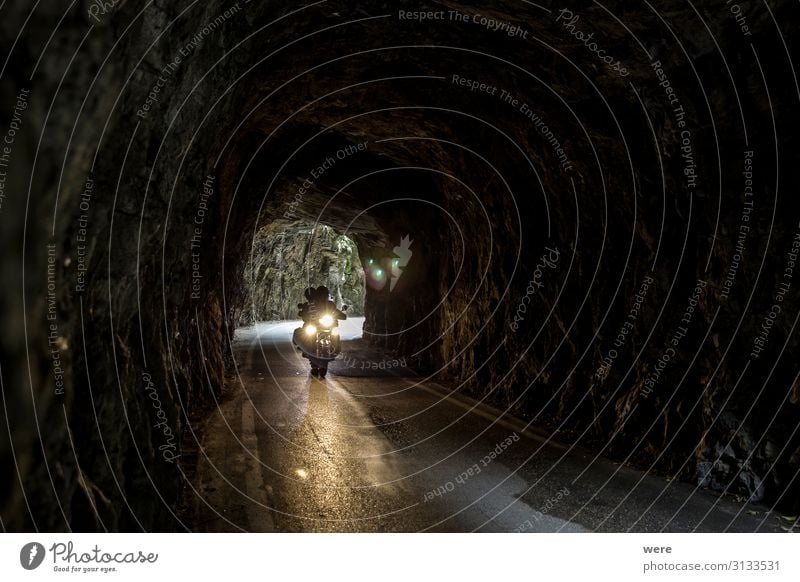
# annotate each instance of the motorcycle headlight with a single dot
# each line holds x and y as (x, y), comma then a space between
(310, 329)
(326, 320)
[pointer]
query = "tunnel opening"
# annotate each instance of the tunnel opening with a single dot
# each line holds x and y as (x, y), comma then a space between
(342, 187)
(286, 257)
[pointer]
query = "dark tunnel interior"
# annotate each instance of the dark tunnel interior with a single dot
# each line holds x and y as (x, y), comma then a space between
(603, 250)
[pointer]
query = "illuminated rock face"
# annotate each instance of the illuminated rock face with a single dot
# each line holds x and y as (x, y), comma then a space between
(288, 257)
(188, 158)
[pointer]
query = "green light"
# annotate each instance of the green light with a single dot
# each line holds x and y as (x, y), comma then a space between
(379, 273)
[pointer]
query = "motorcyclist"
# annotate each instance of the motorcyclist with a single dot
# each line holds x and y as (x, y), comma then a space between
(323, 302)
(318, 302)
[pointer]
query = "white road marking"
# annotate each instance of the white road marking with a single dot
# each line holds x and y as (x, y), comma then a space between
(489, 413)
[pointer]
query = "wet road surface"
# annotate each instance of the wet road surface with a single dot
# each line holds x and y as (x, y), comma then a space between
(368, 449)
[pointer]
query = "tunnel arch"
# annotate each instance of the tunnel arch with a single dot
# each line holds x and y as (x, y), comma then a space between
(237, 114)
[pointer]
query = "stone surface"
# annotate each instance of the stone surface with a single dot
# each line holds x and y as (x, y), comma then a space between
(286, 258)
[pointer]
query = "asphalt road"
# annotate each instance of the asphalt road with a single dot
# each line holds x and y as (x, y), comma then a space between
(369, 449)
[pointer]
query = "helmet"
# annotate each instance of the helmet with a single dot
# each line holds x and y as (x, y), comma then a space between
(323, 293)
(309, 293)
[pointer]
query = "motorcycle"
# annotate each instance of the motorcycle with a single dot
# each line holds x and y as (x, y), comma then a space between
(320, 342)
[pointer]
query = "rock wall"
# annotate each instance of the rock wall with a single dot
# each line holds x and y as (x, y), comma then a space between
(285, 259)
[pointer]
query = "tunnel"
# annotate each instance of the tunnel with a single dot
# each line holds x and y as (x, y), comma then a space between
(580, 217)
